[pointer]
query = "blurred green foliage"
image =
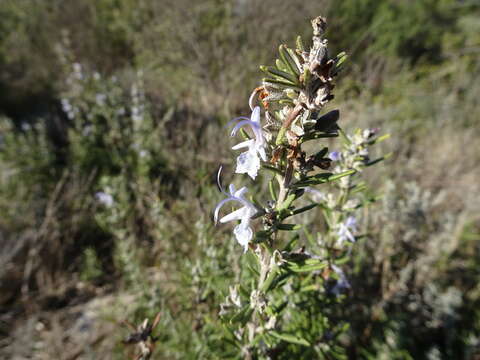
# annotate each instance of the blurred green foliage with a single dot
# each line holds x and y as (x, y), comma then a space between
(143, 122)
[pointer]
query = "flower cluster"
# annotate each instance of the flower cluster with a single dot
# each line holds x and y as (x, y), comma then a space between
(248, 162)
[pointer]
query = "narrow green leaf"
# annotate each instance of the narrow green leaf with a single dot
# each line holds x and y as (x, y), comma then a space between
(299, 43)
(286, 84)
(305, 208)
(287, 202)
(269, 280)
(314, 180)
(290, 338)
(261, 235)
(379, 139)
(289, 227)
(269, 70)
(288, 60)
(342, 174)
(341, 58)
(281, 65)
(373, 162)
(275, 86)
(271, 188)
(306, 265)
(317, 135)
(295, 59)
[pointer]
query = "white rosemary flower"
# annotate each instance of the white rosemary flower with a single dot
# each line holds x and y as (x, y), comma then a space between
(243, 232)
(248, 162)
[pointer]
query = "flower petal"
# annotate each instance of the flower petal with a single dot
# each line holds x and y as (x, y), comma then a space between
(219, 207)
(243, 233)
(248, 163)
(255, 117)
(240, 192)
(335, 156)
(261, 152)
(241, 124)
(244, 144)
(236, 119)
(236, 215)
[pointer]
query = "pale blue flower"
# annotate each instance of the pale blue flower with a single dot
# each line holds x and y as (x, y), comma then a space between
(335, 156)
(248, 162)
(346, 230)
(243, 232)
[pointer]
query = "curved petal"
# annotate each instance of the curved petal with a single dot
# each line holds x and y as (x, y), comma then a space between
(240, 192)
(236, 119)
(219, 207)
(235, 215)
(255, 117)
(241, 124)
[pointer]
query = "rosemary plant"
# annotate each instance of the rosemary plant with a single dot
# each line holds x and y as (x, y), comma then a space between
(289, 304)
